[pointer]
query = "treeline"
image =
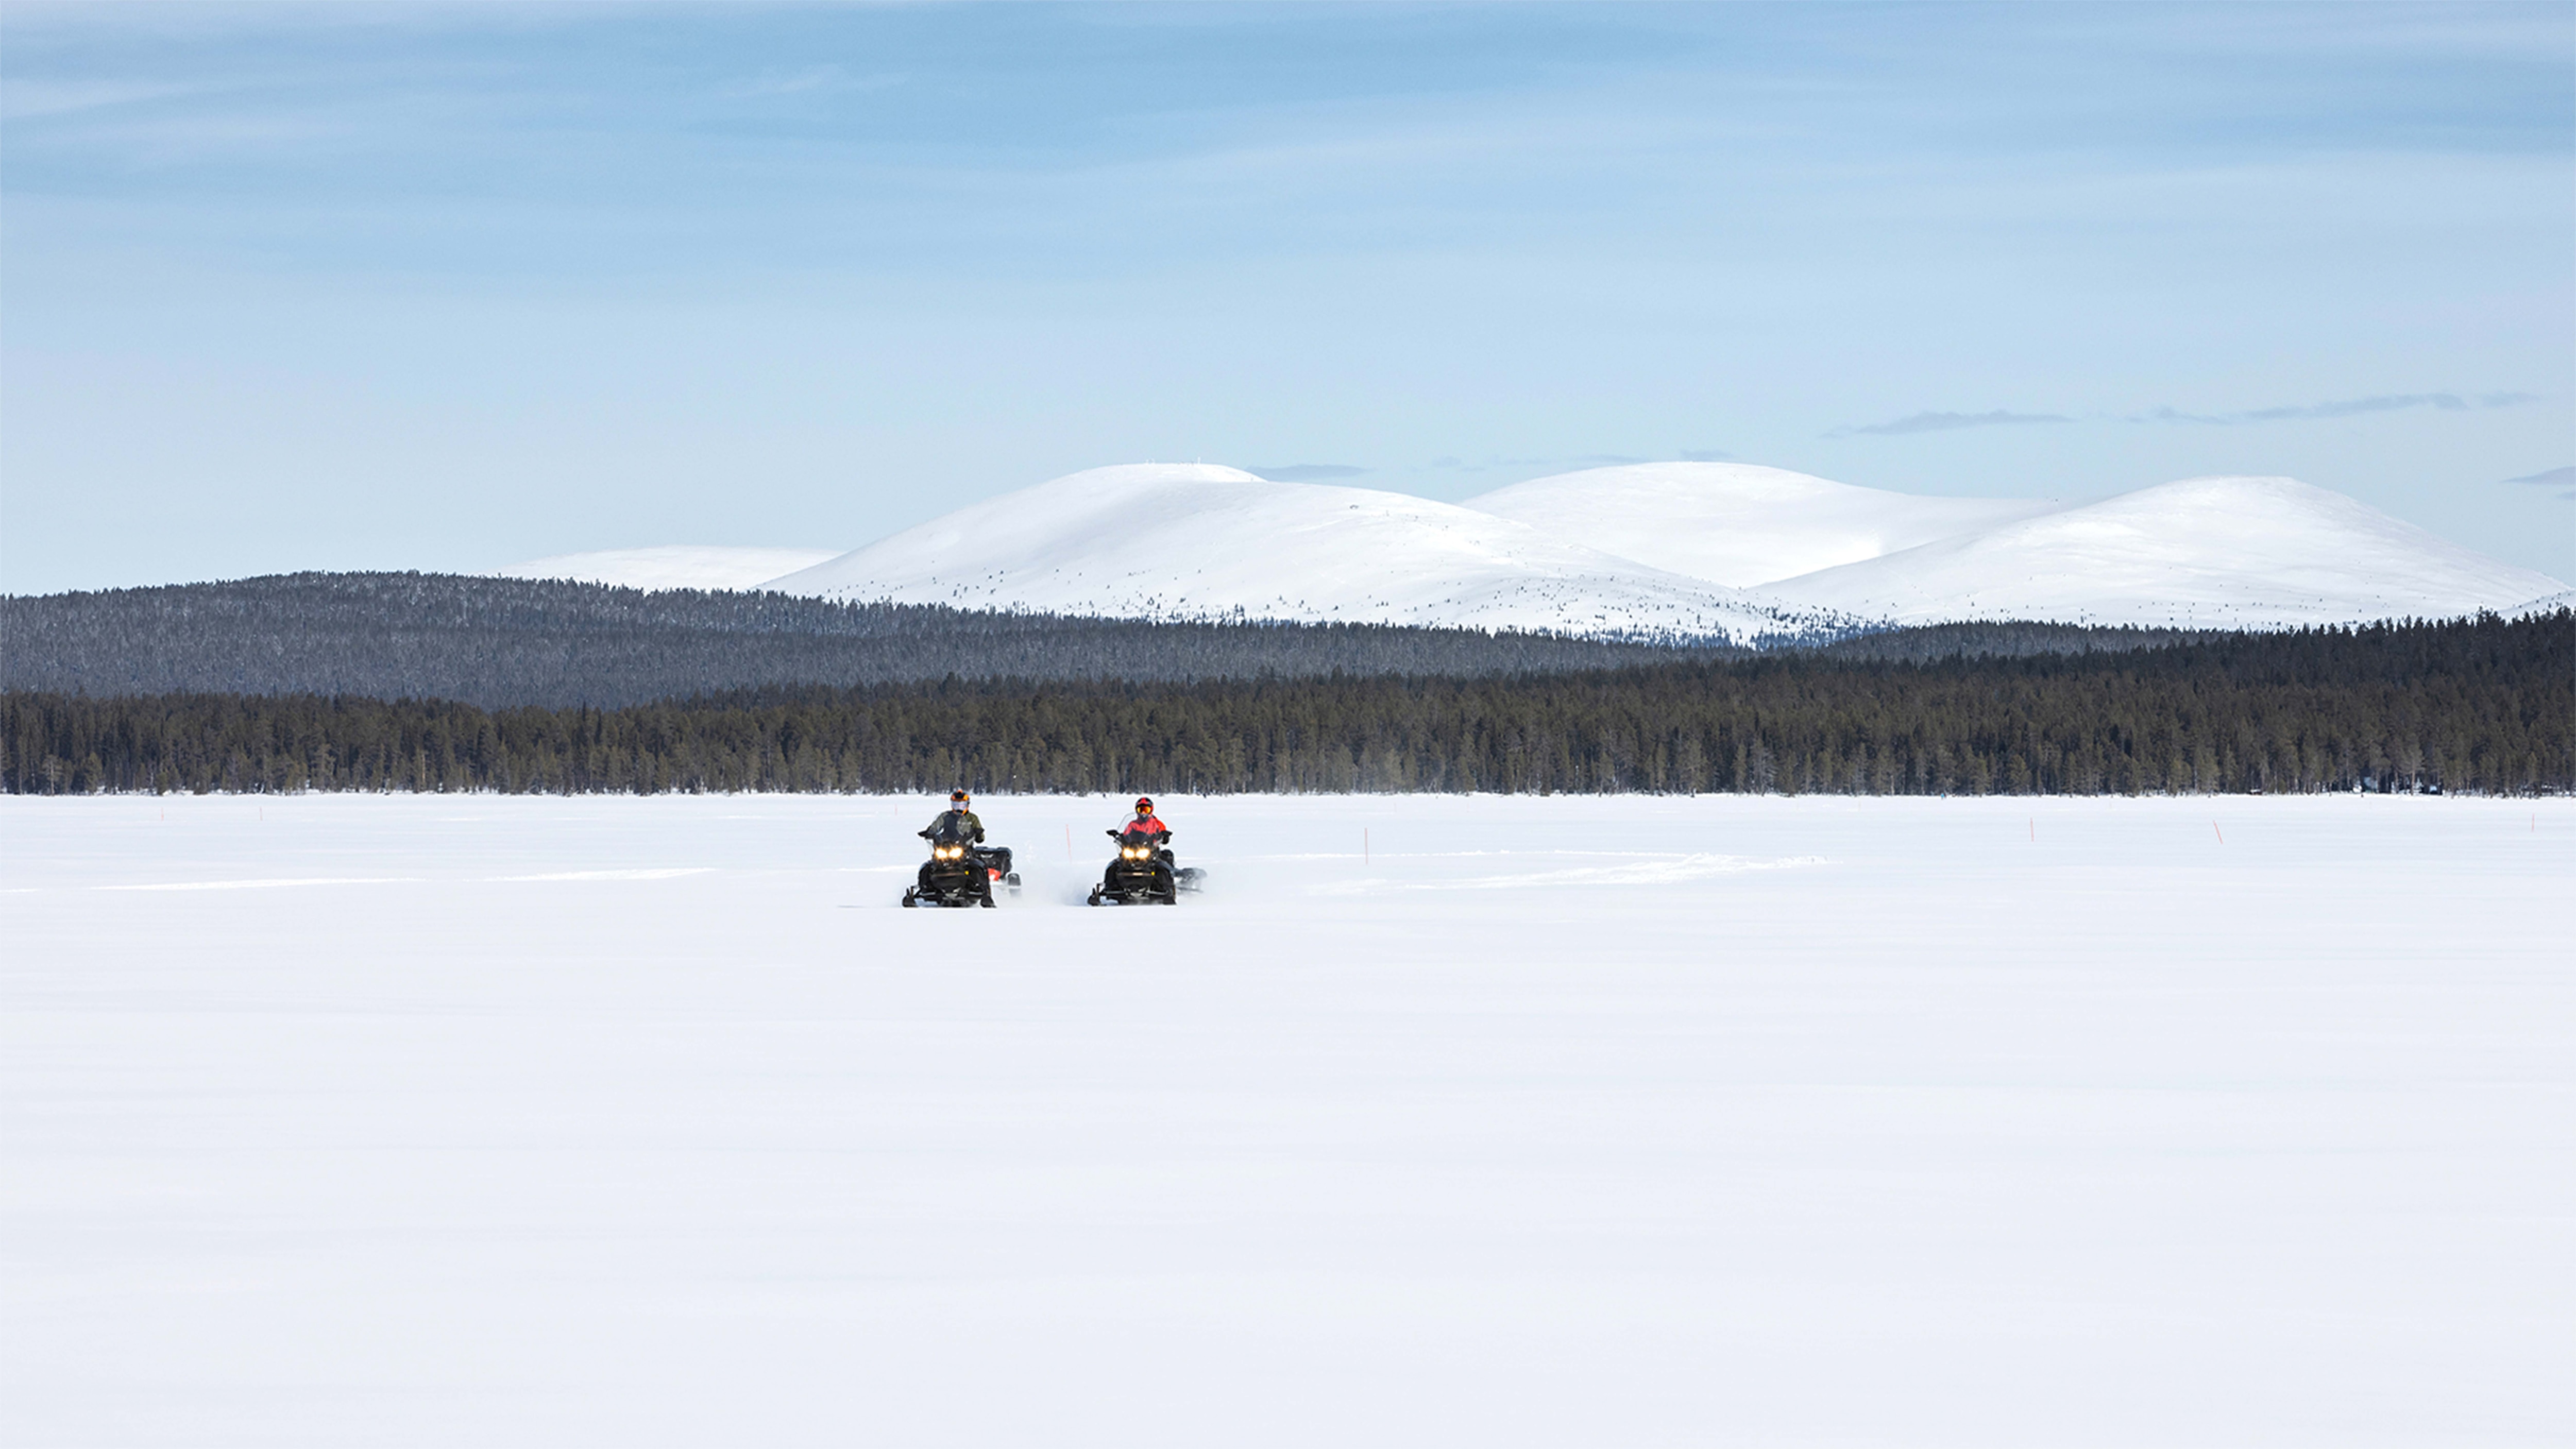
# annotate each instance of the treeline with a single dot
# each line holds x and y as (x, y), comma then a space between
(1926, 642)
(497, 642)
(2476, 705)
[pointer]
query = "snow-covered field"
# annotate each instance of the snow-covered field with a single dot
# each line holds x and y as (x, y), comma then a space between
(1578, 1121)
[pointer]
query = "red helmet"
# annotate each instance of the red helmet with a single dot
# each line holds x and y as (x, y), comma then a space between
(1144, 806)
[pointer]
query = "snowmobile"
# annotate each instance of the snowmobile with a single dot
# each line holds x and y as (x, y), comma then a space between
(960, 872)
(1143, 873)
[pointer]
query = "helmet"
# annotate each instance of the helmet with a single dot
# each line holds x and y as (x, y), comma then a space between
(1144, 806)
(957, 797)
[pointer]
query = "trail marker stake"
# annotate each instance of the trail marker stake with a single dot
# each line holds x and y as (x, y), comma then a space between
(1364, 846)
(2221, 834)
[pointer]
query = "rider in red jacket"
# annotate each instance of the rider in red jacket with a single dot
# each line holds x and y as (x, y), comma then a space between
(1146, 819)
(1144, 829)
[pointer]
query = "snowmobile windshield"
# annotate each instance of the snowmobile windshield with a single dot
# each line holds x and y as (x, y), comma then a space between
(950, 831)
(1137, 835)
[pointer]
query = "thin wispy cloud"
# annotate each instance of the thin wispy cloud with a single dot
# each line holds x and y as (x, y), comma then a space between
(2450, 402)
(2563, 479)
(1579, 460)
(1309, 472)
(804, 80)
(26, 99)
(1943, 422)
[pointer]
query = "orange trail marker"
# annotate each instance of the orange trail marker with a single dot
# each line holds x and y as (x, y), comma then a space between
(2221, 834)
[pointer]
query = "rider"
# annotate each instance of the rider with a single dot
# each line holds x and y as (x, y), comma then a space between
(1147, 821)
(1155, 832)
(960, 823)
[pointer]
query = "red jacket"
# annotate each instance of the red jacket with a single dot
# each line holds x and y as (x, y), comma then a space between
(1153, 823)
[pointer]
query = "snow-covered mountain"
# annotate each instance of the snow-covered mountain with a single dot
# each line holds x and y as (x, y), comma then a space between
(1195, 541)
(1646, 551)
(1739, 523)
(678, 566)
(2229, 553)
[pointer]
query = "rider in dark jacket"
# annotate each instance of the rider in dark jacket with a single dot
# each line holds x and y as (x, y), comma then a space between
(960, 823)
(957, 822)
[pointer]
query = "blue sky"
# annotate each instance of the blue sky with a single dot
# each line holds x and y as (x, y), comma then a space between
(361, 287)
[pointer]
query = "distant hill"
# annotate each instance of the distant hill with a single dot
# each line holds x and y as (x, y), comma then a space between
(2204, 553)
(495, 642)
(506, 642)
(1738, 523)
(1192, 541)
(1650, 553)
(676, 566)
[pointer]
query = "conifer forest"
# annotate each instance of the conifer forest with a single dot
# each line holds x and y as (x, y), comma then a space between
(2481, 705)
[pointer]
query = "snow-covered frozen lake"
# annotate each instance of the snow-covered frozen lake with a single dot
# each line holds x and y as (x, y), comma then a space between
(1579, 1121)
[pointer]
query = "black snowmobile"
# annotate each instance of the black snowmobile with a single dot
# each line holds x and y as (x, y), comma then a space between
(1143, 874)
(960, 872)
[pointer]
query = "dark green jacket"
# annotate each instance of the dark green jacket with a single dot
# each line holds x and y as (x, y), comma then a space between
(949, 821)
